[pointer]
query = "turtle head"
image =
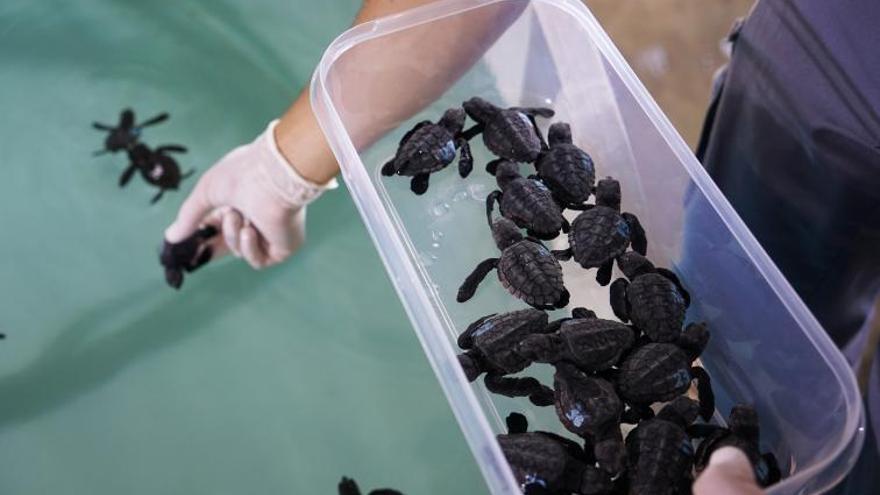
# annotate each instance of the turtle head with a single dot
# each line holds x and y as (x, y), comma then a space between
(694, 339)
(506, 173)
(608, 193)
(682, 411)
(743, 422)
(559, 133)
(505, 233)
(633, 264)
(453, 120)
(480, 110)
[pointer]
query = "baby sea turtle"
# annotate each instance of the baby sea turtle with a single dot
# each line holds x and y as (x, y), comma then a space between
(590, 343)
(156, 167)
(653, 299)
(545, 463)
(742, 432)
(187, 255)
(601, 233)
(590, 408)
(658, 372)
(490, 343)
(429, 147)
(659, 451)
(526, 268)
(347, 486)
(509, 133)
(126, 133)
(527, 202)
(566, 169)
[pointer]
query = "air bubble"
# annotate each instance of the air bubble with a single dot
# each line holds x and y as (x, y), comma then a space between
(478, 192)
(436, 235)
(460, 196)
(435, 245)
(440, 209)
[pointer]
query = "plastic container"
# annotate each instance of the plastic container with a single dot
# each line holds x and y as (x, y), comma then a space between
(766, 349)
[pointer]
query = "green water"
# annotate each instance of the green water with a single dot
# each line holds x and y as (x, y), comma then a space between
(273, 382)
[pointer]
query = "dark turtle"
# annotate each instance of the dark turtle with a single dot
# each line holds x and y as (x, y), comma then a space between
(430, 147)
(187, 255)
(601, 233)
(509, 133)
(156, 167)
(566, 169)
(658, 372)
(589, 407)
(742, 432)
(526, 268)
(590, 343)
(347, 486)
(653, 299)
(659, 451)
(490, 343)
(546, 463)
(527, 202)
(126, 133)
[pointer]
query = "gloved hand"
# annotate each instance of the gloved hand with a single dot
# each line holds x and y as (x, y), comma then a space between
(255, 198)
(728, 473)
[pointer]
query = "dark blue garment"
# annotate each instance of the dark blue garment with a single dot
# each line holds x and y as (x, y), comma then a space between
(793, 141)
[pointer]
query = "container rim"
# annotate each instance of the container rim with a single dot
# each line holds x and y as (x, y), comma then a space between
(419, 308)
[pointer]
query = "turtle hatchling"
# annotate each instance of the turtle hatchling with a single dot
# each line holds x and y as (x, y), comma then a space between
(527, 202)
(347, 486)
(490, 344)
(526, 268)
(187, 255)
(601, 233)
(156, 167)
(509, 133)
(566, 169)
(653, 298)
(658, 372)
(125, 134)
(547, 464)
(429, 147)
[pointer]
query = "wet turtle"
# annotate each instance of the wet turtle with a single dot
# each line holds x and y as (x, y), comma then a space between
(187, 255)
(527, 202)
(347, 486)
(659, 451)
(658, 372)
(590, 343)
(546, 463)
(509, 133)
(653, 298)
(742, 432)
(566, 169)
(429, 147)
(588, 406)
(526, 268)
(156, 167)
(490, 343)
(601, 233)
(126, 133)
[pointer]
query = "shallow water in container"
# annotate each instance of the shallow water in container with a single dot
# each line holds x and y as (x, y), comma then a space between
(110, 382)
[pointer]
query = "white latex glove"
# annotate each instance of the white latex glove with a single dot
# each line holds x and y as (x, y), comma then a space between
(255, 198)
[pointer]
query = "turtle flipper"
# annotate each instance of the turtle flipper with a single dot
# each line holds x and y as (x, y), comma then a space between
(419, 183)
(619, 302)
(465, 158)
(347, 486)
(469, 287)
(539, 394)
(705, 393)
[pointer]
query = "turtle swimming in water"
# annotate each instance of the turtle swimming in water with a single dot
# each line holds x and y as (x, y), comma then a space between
(156, 167)
(509, 133)
(567, 170)
(125, 134)
(429, 147)
(602, 233)
(527, 202)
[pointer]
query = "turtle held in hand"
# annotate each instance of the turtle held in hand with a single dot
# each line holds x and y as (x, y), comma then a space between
(567, 170)
(490, 344)
(548, 464)
(187, 255)
(653, 298)
(527, 202)
(509, 133)
(429, 147)
(526, 268)
(602, 233)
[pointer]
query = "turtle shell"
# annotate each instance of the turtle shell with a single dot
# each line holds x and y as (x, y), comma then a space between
(654, 373)
(511, 135)
(594, 344)
(536, 458)
(598, 235)
(585, 405)
(660, 454)
(568, 171)
(531, 206)
(429, 149)
(529, 271)
(496, 337)
(657, 307)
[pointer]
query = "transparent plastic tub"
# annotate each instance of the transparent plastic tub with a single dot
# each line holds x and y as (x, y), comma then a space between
(766, 349)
